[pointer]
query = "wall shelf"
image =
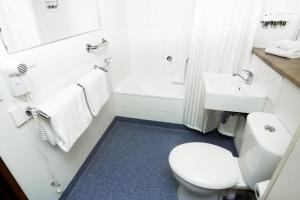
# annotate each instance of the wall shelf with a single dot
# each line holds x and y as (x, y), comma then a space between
(288, 68)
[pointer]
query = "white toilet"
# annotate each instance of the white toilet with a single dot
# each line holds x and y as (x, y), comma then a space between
(209, 172)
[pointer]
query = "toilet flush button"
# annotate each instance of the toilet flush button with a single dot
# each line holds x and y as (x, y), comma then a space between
(270, 128)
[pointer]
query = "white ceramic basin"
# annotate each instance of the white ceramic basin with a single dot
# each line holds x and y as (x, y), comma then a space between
(226, 92)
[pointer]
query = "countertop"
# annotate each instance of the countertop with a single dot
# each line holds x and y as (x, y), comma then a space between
(288, 68)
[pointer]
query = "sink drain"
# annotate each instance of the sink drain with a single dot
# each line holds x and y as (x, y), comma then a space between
(270, 128)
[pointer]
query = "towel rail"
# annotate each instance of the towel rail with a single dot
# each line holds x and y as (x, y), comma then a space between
(29, 109)
(107, 61)
(102, 68)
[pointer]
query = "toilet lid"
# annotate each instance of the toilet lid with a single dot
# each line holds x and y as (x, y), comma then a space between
(204, 165)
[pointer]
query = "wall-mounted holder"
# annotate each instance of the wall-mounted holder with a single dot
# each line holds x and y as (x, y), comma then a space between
(275, 20)
(104, 68)
(39, 112)
(51, 4)
(90, 48)
(273, 24)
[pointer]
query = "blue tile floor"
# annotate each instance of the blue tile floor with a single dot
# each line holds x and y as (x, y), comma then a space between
(131, 162)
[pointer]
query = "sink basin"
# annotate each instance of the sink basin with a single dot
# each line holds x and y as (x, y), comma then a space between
(226, 92)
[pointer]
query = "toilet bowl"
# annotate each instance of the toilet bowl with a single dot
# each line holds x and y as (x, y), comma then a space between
(209, 172)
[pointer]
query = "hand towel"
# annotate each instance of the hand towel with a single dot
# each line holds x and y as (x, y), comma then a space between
(69, 115)
(286, 44)
(96, 90)
(293, 53)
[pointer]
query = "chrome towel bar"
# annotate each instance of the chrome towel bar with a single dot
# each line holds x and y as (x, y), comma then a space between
(104, 68)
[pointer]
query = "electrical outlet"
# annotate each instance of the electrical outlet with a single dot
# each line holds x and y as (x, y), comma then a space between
(19, 115)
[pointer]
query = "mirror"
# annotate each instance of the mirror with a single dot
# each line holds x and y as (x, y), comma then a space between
(30, 23)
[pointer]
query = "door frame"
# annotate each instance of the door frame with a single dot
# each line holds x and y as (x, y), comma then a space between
(12, 189)
(282, 163)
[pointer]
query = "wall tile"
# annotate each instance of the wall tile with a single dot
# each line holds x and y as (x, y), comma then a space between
(164, 29)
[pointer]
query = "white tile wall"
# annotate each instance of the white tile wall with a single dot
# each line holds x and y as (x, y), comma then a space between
(157, 29)
(115, 29)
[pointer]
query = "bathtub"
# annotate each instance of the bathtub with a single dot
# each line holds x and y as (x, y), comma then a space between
(150, 99)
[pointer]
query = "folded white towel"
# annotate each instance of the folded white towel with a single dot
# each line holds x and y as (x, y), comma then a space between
(286, 44)
(69, 115)
(293, 53)
(96, 90)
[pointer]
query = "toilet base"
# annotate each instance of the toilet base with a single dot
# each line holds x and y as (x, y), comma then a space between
(186, 194)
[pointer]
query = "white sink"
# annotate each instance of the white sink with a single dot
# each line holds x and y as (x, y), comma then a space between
(226, 92)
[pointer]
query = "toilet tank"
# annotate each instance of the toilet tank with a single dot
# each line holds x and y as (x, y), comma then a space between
(264, 143)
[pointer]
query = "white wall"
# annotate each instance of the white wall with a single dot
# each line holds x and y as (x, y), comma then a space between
(158, 29)
(283, 96)
(57, 65)
(115, 29)
(265, 36)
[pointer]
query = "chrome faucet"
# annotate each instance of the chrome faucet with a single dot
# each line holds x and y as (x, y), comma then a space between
(249, 79)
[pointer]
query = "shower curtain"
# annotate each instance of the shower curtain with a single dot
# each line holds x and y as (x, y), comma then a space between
(222, 40)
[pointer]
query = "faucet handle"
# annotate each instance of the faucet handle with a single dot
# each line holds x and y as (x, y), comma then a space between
(250, 76)
(249, 72)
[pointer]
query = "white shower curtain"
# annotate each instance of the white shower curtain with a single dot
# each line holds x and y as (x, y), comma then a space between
(223, 37)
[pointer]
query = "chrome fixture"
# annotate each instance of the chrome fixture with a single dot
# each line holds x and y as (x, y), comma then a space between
(39, 112)
(270, 128)
(90, 48)
(107, 61)
(51, 4)
(57, 186)
(249, 79)
(169, 58)
(104, 68)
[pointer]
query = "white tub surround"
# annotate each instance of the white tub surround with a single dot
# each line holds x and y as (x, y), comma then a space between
(150, 99)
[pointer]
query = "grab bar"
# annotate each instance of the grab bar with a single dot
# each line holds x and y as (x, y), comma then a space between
(90, 48)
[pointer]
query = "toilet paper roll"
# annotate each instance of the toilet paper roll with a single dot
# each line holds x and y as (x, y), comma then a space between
(260, 188)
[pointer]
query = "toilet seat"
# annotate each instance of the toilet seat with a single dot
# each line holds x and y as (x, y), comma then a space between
(204, 165)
